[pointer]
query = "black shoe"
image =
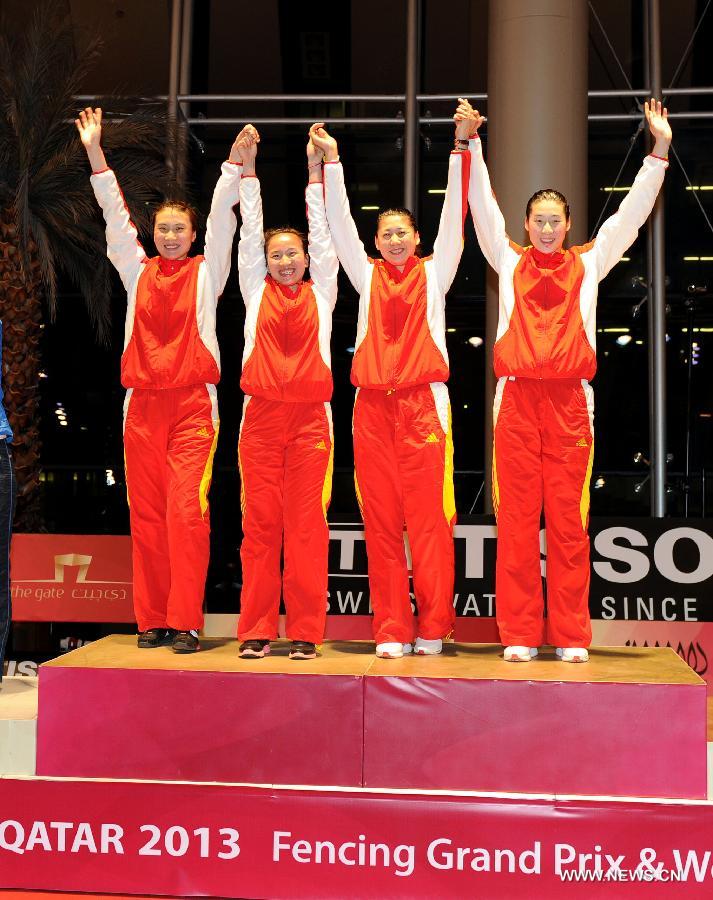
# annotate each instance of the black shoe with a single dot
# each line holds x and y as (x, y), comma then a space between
(185, 642)
(303, 650)
(155, 637)
(254, 649)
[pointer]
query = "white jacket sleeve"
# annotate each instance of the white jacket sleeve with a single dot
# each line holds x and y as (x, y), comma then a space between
(221, 224)
(619, 231)
(349, 247)
(252, 266)
(122, 239)
(448, 246)
(487, 217)
(323, 262)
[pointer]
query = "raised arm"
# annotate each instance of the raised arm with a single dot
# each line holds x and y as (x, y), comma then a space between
(619, 231)
(221, 224)
(252, 266)
(448, 246)
(487, 217)
(349, 247)
(323, 262)
(122, 239)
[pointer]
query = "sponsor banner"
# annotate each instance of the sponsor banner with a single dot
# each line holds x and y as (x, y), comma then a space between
(642, 569)
(71, 578)
(242, 841)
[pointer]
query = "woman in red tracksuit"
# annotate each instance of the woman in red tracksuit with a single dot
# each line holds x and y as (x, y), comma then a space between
(403, 447)
(170, 367)
(285, 448)
(544, 358)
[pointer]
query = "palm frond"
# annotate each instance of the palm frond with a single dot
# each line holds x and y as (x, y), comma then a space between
(44, 174)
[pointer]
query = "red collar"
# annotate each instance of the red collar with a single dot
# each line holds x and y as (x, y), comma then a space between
(395, 274)
(547, 260)
(171, 266)
(285, 290)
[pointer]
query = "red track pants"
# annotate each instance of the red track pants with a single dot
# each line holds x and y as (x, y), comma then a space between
(285, 456)
(543, 453)
(403, 458)
(169, 443)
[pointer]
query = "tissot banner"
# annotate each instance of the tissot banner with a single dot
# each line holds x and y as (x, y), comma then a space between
(643, 570)
(233, 841)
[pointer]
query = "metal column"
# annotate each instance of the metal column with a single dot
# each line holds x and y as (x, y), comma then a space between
(411, 124)
(174, 72)
(536, 129)
(657, 298)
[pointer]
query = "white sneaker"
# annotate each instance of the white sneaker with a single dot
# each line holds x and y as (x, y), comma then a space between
(392, 650)
(428, 648)
(519, 654)
(573, 654)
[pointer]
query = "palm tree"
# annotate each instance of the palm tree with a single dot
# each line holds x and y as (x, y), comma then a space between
(49, 221)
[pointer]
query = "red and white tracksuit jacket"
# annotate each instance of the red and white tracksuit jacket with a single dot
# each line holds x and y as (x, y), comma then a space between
(543, 416)
(170, 367)
(403, 447)
(285, 448)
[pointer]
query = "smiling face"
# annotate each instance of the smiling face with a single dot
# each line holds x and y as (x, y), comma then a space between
(396, 239)
(547, 224)
(173, 233)
(286, 258)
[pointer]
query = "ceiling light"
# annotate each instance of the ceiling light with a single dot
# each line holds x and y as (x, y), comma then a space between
(475, 341)
(623, 340)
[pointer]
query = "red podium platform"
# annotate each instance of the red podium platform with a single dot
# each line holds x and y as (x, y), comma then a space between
(630, 723)
(112, 710)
